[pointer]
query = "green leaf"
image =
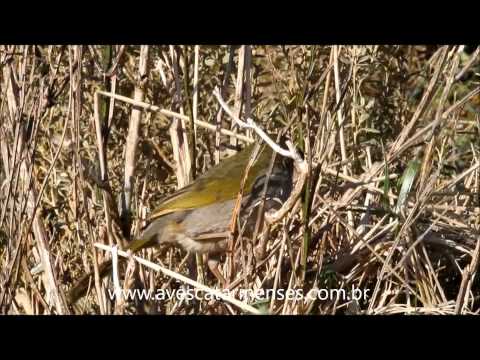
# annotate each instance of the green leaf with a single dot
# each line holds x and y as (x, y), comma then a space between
(386, 182)
(407, 180)
(262, 306)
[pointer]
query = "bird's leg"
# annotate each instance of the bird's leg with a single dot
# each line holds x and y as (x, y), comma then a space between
(261, 247)
(199, 263)
(213, 266)
(192, 266)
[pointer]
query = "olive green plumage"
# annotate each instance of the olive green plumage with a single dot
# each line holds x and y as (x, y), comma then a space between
(220, 183)
(197, 217)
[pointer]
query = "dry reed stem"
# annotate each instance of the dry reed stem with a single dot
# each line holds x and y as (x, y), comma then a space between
(134, 128)
(173, 114)
(245, 307)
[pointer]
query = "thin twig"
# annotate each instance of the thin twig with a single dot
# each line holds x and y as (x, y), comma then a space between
(173, 274)
(170, 113)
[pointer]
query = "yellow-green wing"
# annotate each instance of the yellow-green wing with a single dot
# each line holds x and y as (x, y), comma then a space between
(220, 183)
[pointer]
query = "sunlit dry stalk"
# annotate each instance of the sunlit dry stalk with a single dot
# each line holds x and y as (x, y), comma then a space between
(239, 89)
(178, 133)
(133, 132)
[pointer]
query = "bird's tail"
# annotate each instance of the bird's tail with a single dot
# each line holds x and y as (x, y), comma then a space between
(81, 287)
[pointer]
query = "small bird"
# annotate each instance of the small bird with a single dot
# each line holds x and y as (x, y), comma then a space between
(197, 217)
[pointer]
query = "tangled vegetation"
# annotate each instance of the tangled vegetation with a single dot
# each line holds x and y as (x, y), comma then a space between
(92, 138)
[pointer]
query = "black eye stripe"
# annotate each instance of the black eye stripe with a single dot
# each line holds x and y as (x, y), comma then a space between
(274, 178)
(276, 182)
(271, 203)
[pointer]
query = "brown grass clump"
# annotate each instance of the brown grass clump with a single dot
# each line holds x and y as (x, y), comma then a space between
(391, 205)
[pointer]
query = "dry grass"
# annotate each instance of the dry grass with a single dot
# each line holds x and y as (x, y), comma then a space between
(391, 205)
